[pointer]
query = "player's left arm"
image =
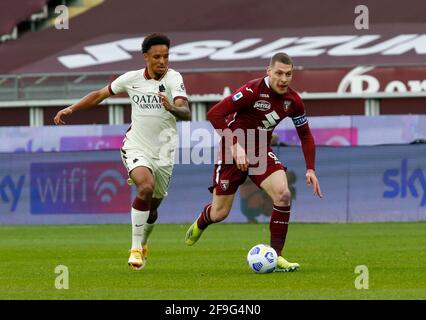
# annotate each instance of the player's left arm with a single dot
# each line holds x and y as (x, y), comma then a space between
(308, 146)
(180, 107)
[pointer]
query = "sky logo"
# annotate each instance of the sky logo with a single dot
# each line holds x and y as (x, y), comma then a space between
(401, 183)
(10, 191)
(83, 188)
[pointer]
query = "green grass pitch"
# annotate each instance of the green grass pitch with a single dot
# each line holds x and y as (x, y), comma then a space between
(215, 268)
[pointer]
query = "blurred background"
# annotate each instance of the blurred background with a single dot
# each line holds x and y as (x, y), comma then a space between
(360, 68)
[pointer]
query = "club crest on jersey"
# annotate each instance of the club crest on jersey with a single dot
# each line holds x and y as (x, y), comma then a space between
(224, 184)
(262, 105)
(237, 96)
(287, 104)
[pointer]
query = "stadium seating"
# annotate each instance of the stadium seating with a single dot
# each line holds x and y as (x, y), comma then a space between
(40, 75)
(14, 12)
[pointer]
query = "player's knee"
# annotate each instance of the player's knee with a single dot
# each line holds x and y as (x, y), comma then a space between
(219, 214)
(282, 196)
(145, 190)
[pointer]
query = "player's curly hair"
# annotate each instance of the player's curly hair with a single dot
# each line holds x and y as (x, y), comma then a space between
(154, 39)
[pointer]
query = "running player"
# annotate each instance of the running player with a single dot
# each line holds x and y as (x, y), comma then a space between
(150, 142)
(257, 107)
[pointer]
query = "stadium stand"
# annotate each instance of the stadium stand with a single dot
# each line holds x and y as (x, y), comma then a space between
(17, 18)
(14, 12)
(240, 15)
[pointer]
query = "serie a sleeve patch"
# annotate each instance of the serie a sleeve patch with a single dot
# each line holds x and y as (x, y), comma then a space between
(237, 96)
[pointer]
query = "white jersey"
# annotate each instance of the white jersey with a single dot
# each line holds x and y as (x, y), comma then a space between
(153, 128)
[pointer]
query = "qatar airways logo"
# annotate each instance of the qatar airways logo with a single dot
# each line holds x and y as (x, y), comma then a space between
(147, 101)
(254, 48)
(80, 187)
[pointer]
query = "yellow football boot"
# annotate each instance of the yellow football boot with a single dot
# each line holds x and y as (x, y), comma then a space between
(193, 234)
(284, 266)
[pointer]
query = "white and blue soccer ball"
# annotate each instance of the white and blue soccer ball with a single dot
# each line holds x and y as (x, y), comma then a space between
(262, 258)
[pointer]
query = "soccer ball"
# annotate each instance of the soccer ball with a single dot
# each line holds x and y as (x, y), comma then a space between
(262, 258)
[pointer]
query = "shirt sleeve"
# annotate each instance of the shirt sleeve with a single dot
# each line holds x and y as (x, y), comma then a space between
(177, 87)
(298, 116)
(244, 97)
(119, 85)
(305, 135)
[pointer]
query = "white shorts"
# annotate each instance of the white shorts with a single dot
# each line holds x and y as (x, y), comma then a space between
(133, 158)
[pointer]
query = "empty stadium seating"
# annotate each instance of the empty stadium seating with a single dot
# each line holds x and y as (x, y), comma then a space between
(31, 69)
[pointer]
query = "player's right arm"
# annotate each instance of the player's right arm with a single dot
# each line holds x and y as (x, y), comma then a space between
(242, 98)
(90, 100)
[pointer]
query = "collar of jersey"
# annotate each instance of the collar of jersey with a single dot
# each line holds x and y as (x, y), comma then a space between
(148, 77)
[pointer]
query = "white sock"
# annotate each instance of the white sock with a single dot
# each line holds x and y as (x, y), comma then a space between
(139, 218)
(147, 229)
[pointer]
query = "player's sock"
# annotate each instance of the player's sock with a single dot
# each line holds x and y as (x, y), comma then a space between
(278, 226)
(146, 231)
(140, 214)
(204, 219)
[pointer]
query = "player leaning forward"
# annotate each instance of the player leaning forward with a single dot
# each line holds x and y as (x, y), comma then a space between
(245, 121)
(149, 144)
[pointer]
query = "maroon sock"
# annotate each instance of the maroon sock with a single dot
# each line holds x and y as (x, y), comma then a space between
(278, 226)
(204, 219)
(141, 205)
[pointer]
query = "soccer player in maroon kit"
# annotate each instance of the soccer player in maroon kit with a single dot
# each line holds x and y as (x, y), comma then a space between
(257, 107)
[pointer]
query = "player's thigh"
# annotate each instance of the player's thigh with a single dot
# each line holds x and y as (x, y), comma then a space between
(274, 180)
(139, 167)
(162, 177)
(221, 206)
(276, 186)
(143, 178)
(226, 179)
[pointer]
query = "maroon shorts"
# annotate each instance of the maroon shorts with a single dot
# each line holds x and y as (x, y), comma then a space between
(227, 177)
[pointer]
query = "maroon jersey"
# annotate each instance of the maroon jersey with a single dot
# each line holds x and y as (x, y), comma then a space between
(257, 107)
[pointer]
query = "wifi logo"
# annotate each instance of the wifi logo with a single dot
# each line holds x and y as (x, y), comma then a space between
(79, 188)
(107, 185)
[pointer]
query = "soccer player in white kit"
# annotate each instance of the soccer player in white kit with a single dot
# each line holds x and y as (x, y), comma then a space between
(158, 97)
